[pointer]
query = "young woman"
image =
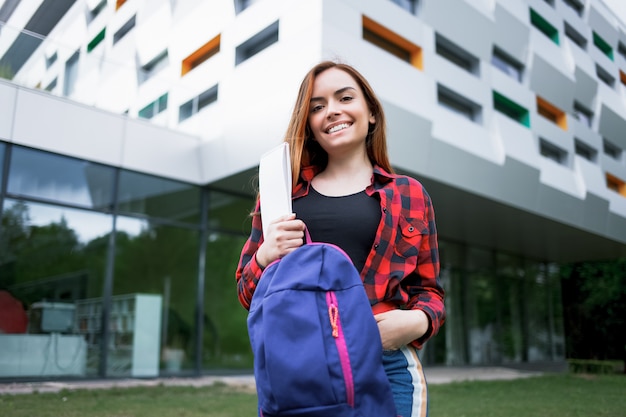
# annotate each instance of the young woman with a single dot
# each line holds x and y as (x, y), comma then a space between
(345, 192)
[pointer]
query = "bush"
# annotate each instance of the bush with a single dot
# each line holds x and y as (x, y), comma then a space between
(589, 366)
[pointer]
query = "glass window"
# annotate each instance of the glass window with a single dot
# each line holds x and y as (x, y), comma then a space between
(2, 148)
(121, 32)
(225, 342)
(52, 258)
(154, 289)
(506, 64)
(458, 104)
(257, 43)
(586, 151)
(71, 73)
(152, 196)
(575, 36)
(59, 178)
(197, 103)
(457, 55)
(230, 212)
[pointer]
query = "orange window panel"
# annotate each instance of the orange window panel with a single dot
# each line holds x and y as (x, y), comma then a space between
(119, 4)
(615, 184)
(552, 113)
(393, 43)
(622, 77)
(201, 54)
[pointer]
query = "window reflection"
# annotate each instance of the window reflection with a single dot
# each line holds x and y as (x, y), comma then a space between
(2, 147)
(59, 178)
(229, 212)
(159, 263)
(51, 258)
(157, 197)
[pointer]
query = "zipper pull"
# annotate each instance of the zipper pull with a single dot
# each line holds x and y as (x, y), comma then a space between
(333, 313)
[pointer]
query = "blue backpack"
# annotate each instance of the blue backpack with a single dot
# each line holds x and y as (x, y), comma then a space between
(316, 344)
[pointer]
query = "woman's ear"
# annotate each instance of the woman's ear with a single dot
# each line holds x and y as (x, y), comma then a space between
(372, 119)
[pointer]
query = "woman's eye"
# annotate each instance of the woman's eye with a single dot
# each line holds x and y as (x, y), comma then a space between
(316, 108)
(346, 98)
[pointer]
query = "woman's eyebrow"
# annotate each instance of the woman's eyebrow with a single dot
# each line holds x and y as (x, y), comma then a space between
(338, 92)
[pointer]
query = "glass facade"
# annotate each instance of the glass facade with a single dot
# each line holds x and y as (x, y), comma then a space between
(111, 273)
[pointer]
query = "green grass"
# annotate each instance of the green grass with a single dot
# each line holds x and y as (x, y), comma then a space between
(552, 395)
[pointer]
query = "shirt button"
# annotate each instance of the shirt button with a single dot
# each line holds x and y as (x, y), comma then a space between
(411, 228)
(384, 209)
(375, 245)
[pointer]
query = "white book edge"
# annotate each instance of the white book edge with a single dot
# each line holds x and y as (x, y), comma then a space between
(275, 184)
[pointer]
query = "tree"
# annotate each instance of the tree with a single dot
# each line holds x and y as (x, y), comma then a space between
(594, 299)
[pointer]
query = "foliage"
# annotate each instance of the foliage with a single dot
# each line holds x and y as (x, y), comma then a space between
(594, 299)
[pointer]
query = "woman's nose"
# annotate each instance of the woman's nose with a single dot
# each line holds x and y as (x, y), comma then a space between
(332, 109)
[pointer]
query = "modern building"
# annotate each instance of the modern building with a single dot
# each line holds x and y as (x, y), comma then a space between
(130, 135)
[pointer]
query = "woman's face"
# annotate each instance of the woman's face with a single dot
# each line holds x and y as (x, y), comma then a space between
(339, 117)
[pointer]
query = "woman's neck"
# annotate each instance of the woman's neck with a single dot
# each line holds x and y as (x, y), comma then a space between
(344, 177)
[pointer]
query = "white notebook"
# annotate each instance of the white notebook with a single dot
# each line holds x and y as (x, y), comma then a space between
(275, 184)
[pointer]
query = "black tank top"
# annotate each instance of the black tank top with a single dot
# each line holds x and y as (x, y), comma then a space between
(349, 222)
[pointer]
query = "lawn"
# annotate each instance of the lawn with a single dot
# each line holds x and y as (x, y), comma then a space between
(553, 396)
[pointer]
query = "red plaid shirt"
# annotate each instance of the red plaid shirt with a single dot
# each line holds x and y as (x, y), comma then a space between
(403, 265)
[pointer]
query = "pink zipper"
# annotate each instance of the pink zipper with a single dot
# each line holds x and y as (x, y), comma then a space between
(342, 347)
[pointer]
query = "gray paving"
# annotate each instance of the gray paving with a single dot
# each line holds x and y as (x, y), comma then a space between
(435, 375)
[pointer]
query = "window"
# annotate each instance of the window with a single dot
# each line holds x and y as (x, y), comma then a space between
(241, 5)
(93, 13)
(582, 114)
(457, 55)
(201, 54)
(506, 64)
(391, 42)
(615, 184)
(154, 108)
(408, 5)
(605, 76)
(58, 178)
(52, 85)
(585, 151)
(257, 43)
(511, 109)
(71, 72)
(117, 36)
(603, 46)
(51, 59)
(96, 40)
(550, 2)
(553, 152)
(612, 150)
(154, 66)
(577, 5)
(575, 36)
(119, 4)
(458, 104)
(196, 104)
(552, 113)
(544, 26)
(622, 77)
(621, 49)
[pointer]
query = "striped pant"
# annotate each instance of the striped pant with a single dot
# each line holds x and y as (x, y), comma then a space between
(408, 383)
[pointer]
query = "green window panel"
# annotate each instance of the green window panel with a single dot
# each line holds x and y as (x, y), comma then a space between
(603, 45)
(544, 26)
(511, 109)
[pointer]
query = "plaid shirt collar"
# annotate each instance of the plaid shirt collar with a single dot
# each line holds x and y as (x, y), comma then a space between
(380, 177)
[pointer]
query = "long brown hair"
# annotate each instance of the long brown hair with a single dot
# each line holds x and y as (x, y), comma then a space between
(305, 151)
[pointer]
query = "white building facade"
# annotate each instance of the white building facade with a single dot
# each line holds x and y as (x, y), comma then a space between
(130, 135)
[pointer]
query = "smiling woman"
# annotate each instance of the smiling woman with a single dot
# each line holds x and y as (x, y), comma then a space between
(345, 193)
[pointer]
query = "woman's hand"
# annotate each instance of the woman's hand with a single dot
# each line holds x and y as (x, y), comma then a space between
(284, 235)
(400, 327)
